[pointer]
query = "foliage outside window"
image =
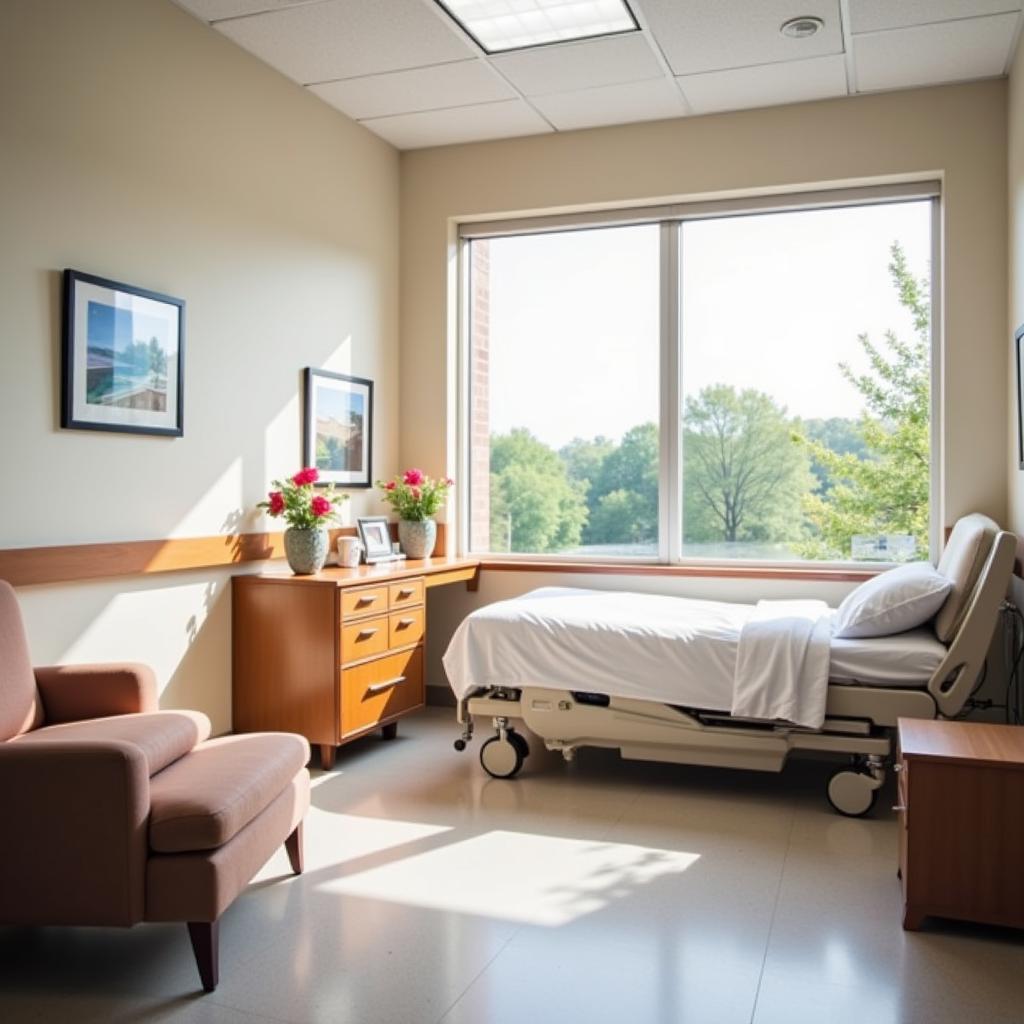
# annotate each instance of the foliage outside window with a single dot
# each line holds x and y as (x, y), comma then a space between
(758, 477)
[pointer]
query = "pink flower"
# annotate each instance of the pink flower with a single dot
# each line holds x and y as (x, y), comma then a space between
(276, 503)
(390, 486)
(306, 476)
(449, 482)
(320, 505)
(413, 477)
(416, 493)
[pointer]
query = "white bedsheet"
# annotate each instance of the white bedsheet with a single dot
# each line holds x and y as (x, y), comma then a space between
(669, 649)
(782, 660)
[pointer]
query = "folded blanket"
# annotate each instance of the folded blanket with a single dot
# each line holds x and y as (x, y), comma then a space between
(782, 663)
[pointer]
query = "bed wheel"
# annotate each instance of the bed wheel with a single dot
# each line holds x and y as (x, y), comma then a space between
(851, 793)
(502, 758)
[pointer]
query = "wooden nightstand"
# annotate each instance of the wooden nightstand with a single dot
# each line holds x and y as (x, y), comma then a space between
(961, 818)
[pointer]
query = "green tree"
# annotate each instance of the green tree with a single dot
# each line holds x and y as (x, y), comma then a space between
(743, 474)
(624, 496)
(534, 505)
(885, 490)
(837, 434)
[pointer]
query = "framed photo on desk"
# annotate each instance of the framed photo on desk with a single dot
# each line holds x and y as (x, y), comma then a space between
(375, 534)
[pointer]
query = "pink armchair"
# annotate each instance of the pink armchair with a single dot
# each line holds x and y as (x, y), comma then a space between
(115, 812)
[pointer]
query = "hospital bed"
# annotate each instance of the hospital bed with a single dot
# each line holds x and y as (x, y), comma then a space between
(928, 673)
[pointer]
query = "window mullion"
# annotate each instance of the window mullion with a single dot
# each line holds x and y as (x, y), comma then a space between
(670, 490)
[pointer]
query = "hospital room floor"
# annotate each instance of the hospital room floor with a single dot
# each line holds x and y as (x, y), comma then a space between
(604, 891)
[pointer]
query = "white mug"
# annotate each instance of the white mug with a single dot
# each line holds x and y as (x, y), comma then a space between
(350, 550)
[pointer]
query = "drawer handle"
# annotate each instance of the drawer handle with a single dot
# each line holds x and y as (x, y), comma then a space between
(381, 687)
(368, 599)
(365, 634)
(405, 593)
(406, 623)
(899, 807)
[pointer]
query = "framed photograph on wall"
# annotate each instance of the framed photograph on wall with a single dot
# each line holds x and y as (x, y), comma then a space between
(1018, 342)
(338, 434)
(123, 358)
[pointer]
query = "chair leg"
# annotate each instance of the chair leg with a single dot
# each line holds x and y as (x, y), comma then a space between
(293, 845)
(205, 944)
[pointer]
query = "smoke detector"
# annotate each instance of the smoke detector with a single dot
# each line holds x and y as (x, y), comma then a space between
(801, 28)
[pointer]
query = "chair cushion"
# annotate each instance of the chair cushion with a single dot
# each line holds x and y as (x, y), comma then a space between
(162, 736)
(20, 707)
(962, 560)
(205, 799)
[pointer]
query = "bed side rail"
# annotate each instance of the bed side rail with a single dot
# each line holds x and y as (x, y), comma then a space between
(952, 682)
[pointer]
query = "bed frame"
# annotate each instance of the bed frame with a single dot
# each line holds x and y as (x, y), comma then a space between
(859, 719)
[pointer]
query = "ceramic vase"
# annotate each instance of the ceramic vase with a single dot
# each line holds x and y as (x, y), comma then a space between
(417, 538)
(306, 550)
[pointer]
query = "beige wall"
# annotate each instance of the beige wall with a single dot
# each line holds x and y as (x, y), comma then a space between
(139, 145)
(958, 132)
(1015, 312)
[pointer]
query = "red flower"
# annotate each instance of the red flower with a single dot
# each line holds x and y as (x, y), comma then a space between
(276, 503)
(320, 505)
(413, 477)
(306, 476)
(390, 486)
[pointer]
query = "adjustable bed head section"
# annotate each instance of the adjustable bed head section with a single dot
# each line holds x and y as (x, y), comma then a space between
(978, 559)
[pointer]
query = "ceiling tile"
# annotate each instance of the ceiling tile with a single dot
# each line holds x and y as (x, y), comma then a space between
(875, 15)
(459, 124)
(765, 85)
(403, 92)
(612, 104)
(213, 10)
(699, 36)
(949, 51)
(580, 65)
(347, 38)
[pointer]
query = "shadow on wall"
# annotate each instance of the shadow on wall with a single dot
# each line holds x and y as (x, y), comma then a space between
(178, 624)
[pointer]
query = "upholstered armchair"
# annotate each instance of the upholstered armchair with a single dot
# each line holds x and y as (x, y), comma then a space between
(115, 812)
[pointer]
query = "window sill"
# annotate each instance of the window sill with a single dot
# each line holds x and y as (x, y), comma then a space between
(738, 572)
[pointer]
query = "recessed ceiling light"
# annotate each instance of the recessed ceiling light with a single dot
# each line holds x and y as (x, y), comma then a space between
(499, 25)
(802, 27)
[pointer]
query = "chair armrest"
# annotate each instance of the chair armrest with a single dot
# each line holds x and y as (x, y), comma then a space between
(74, 815)
(73, 692)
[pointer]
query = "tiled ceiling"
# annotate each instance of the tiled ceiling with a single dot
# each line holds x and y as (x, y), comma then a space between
(408, 72)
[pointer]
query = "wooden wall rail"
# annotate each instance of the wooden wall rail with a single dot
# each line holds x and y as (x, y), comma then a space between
(27, 566)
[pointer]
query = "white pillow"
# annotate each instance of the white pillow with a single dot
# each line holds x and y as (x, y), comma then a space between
(892, 602)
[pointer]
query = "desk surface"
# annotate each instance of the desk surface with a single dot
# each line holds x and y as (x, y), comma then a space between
(983, 742)
(436, 572)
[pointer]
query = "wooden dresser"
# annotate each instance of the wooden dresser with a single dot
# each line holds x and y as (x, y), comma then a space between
(961, 817)
(335, 655)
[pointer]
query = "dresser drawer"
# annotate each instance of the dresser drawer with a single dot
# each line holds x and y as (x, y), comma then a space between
(407, 592)
(379, 689)
(365, 601)
(405, 627)
(364, 638)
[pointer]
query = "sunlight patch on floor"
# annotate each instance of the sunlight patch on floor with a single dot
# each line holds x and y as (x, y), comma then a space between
(515, 876)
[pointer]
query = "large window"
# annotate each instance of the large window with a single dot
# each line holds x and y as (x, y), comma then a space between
(713, 384)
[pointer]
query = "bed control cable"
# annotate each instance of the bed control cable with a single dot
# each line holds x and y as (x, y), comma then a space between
(1013, 661)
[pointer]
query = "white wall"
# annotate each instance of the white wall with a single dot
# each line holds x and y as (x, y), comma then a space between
(955, 132)
(137, 144)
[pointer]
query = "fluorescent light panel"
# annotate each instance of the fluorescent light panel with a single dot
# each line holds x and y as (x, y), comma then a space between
(499, 25)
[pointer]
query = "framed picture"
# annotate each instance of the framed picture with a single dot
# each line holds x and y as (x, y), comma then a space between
(1018, 343)
(123, 358)
(338, 435)
(375, 535)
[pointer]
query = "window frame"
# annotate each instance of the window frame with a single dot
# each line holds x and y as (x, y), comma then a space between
(670, 218)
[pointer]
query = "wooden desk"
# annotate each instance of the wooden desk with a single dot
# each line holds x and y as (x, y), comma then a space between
(335, 655)
(961, 810)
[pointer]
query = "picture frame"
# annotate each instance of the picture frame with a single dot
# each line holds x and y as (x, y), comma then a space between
(122, 358)
(338, 428)
(375, 533)
(1018, 344)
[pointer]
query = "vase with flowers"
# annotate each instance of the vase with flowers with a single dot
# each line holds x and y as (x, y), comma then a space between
(416, 498)
(307, 513)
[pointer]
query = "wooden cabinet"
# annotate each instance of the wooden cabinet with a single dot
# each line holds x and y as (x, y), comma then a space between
(961, 820)
(335, 655)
